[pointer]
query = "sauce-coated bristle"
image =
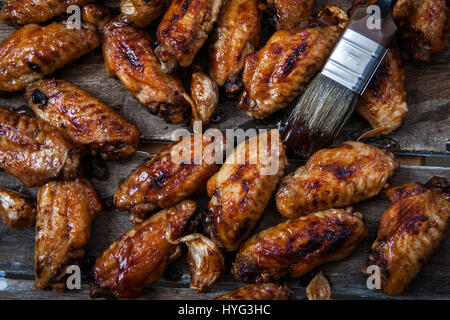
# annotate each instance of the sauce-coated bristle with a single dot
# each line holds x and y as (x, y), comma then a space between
(318, 117)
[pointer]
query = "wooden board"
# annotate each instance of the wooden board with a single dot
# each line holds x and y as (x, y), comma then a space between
(425, 130)
(348, 282)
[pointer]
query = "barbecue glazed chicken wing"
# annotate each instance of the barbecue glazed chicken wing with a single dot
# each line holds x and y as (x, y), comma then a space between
(143, 12)
(242, 187)
(423, 26)
(141, 255)
(383, 104)
(171, 176)
(288, 14)
(35, 51)
(17, 210)
(20, 12)
(274, 75)
(183, 30)
(410, 231)
(33, 151)
(82, 119)
(334, 178)
(237, 35)
(260, 291)
(295, 247)
(66, 210)
(129, 56)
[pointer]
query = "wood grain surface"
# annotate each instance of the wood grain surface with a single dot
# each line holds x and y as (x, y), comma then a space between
(347, 280)
(424, 131)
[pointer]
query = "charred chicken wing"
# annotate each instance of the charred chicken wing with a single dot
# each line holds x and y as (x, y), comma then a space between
(66, 210)
(18, 211)
(183, 30)
(140, 256)
(335, 178)
(274, 75)
(242, 187)
(129, 56)
(383, 104)
(410, 231)
(171, 176)
(288, 14)
(34, 51)
(236, 36)
(295, 247)
(143, 12)
(19, 12)
(423, 25)
(260, 291)
(85, 121)
(33, 151)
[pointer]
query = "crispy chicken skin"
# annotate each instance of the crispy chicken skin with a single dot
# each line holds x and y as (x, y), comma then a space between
(18, 211)
(82, 119)
(20, 12)
(143, 12)
(66, 210)
(165, 180)
(335, 178)
(288, 14)
(423, 25)
(33, 151)
(242, 187)
(34, 51)
(140, 256)
(410, 231)
(236, 36)
(183, 30)
(274, 75)
(96, 15)
(260, 291)
(295, 247)
(383, 104)
(129, 56)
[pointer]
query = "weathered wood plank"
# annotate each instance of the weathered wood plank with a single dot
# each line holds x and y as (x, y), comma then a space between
(425, 129)
(17, 248)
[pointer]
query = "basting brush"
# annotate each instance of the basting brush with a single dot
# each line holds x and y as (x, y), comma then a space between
(328, 101)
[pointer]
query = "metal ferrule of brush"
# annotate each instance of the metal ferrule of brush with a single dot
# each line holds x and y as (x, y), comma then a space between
(354, 60)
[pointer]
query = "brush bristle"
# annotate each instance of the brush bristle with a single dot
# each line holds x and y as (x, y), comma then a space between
(319, 115)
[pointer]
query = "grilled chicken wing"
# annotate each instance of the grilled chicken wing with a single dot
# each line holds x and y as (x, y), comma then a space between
(140, 256)
(242, 188)
(143, 12)
(236, 36)
(183, 30)
(274, 75)
(129, 56)
(334, 178)
(19, 12)
(260, 291)
(18, 211)
(171, 176)
(66, 210)
(288, 14)
(383, 104)
(410, 231)
(85, 121)
(423, 25)
(34, 51)
(205, 97)
(296, 247)
(33, 151)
